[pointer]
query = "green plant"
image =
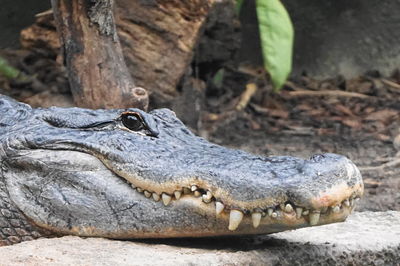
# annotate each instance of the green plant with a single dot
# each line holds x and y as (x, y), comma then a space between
(276, 34)
(7, 70)
(10, 72)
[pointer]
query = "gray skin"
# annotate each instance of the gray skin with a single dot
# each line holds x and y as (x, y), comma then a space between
(74, 171)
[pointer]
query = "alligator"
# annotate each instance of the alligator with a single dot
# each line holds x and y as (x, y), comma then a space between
(126, 174)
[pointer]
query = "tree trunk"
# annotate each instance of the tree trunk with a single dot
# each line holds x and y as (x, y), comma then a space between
(158, 38)
(98, 75)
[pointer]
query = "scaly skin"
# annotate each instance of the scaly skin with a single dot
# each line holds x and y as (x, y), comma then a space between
(97, 173)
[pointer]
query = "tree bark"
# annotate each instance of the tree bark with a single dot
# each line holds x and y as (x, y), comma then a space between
(158, 38)
(98, 75)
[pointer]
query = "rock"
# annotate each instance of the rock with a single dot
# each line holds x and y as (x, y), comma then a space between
(365, 238)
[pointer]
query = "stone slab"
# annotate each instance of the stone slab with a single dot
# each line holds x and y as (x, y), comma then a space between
(366, 238)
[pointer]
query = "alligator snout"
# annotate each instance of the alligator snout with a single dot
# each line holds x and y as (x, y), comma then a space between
(272, 189)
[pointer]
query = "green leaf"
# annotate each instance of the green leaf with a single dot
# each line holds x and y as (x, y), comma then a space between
(219, 78)
(276, 34)
(7, 70)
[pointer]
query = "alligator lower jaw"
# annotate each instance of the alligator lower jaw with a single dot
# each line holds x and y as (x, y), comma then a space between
(274, 218)
(209, 224)
(217, 225)
(267, 224)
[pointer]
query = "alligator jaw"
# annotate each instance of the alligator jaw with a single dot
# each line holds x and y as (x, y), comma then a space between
(268, 223)
(333, 206)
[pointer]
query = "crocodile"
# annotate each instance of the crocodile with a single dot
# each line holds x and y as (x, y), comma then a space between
(126, 174)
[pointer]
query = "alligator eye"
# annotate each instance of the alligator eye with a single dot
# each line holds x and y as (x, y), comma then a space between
(132, 121)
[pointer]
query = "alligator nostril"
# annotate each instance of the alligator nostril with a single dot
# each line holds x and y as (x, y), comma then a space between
(317, 157)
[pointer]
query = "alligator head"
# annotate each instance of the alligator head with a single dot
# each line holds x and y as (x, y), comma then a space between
(131, 174)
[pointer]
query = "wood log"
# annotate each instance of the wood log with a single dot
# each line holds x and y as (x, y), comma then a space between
(98, 75)
(158, 38)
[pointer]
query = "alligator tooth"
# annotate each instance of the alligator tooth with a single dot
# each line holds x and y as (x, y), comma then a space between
(178, 194)
(138, 189)
(133, 186)
(147, 194)
(208, 195)
(314, 217)
(299, 211)
(186, 190)
(352, 202)
(197, 193)
(270, 211)
(235, 218)
(166, 198)
(346, 203)
(306, 212)
(193, 188)
(156, 197)
(256, 217)
(288, 208)
(219, 207)
(335, 209)
(206, 199)
(274, 214)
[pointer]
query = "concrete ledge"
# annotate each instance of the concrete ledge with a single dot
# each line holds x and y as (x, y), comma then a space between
(366, 238)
